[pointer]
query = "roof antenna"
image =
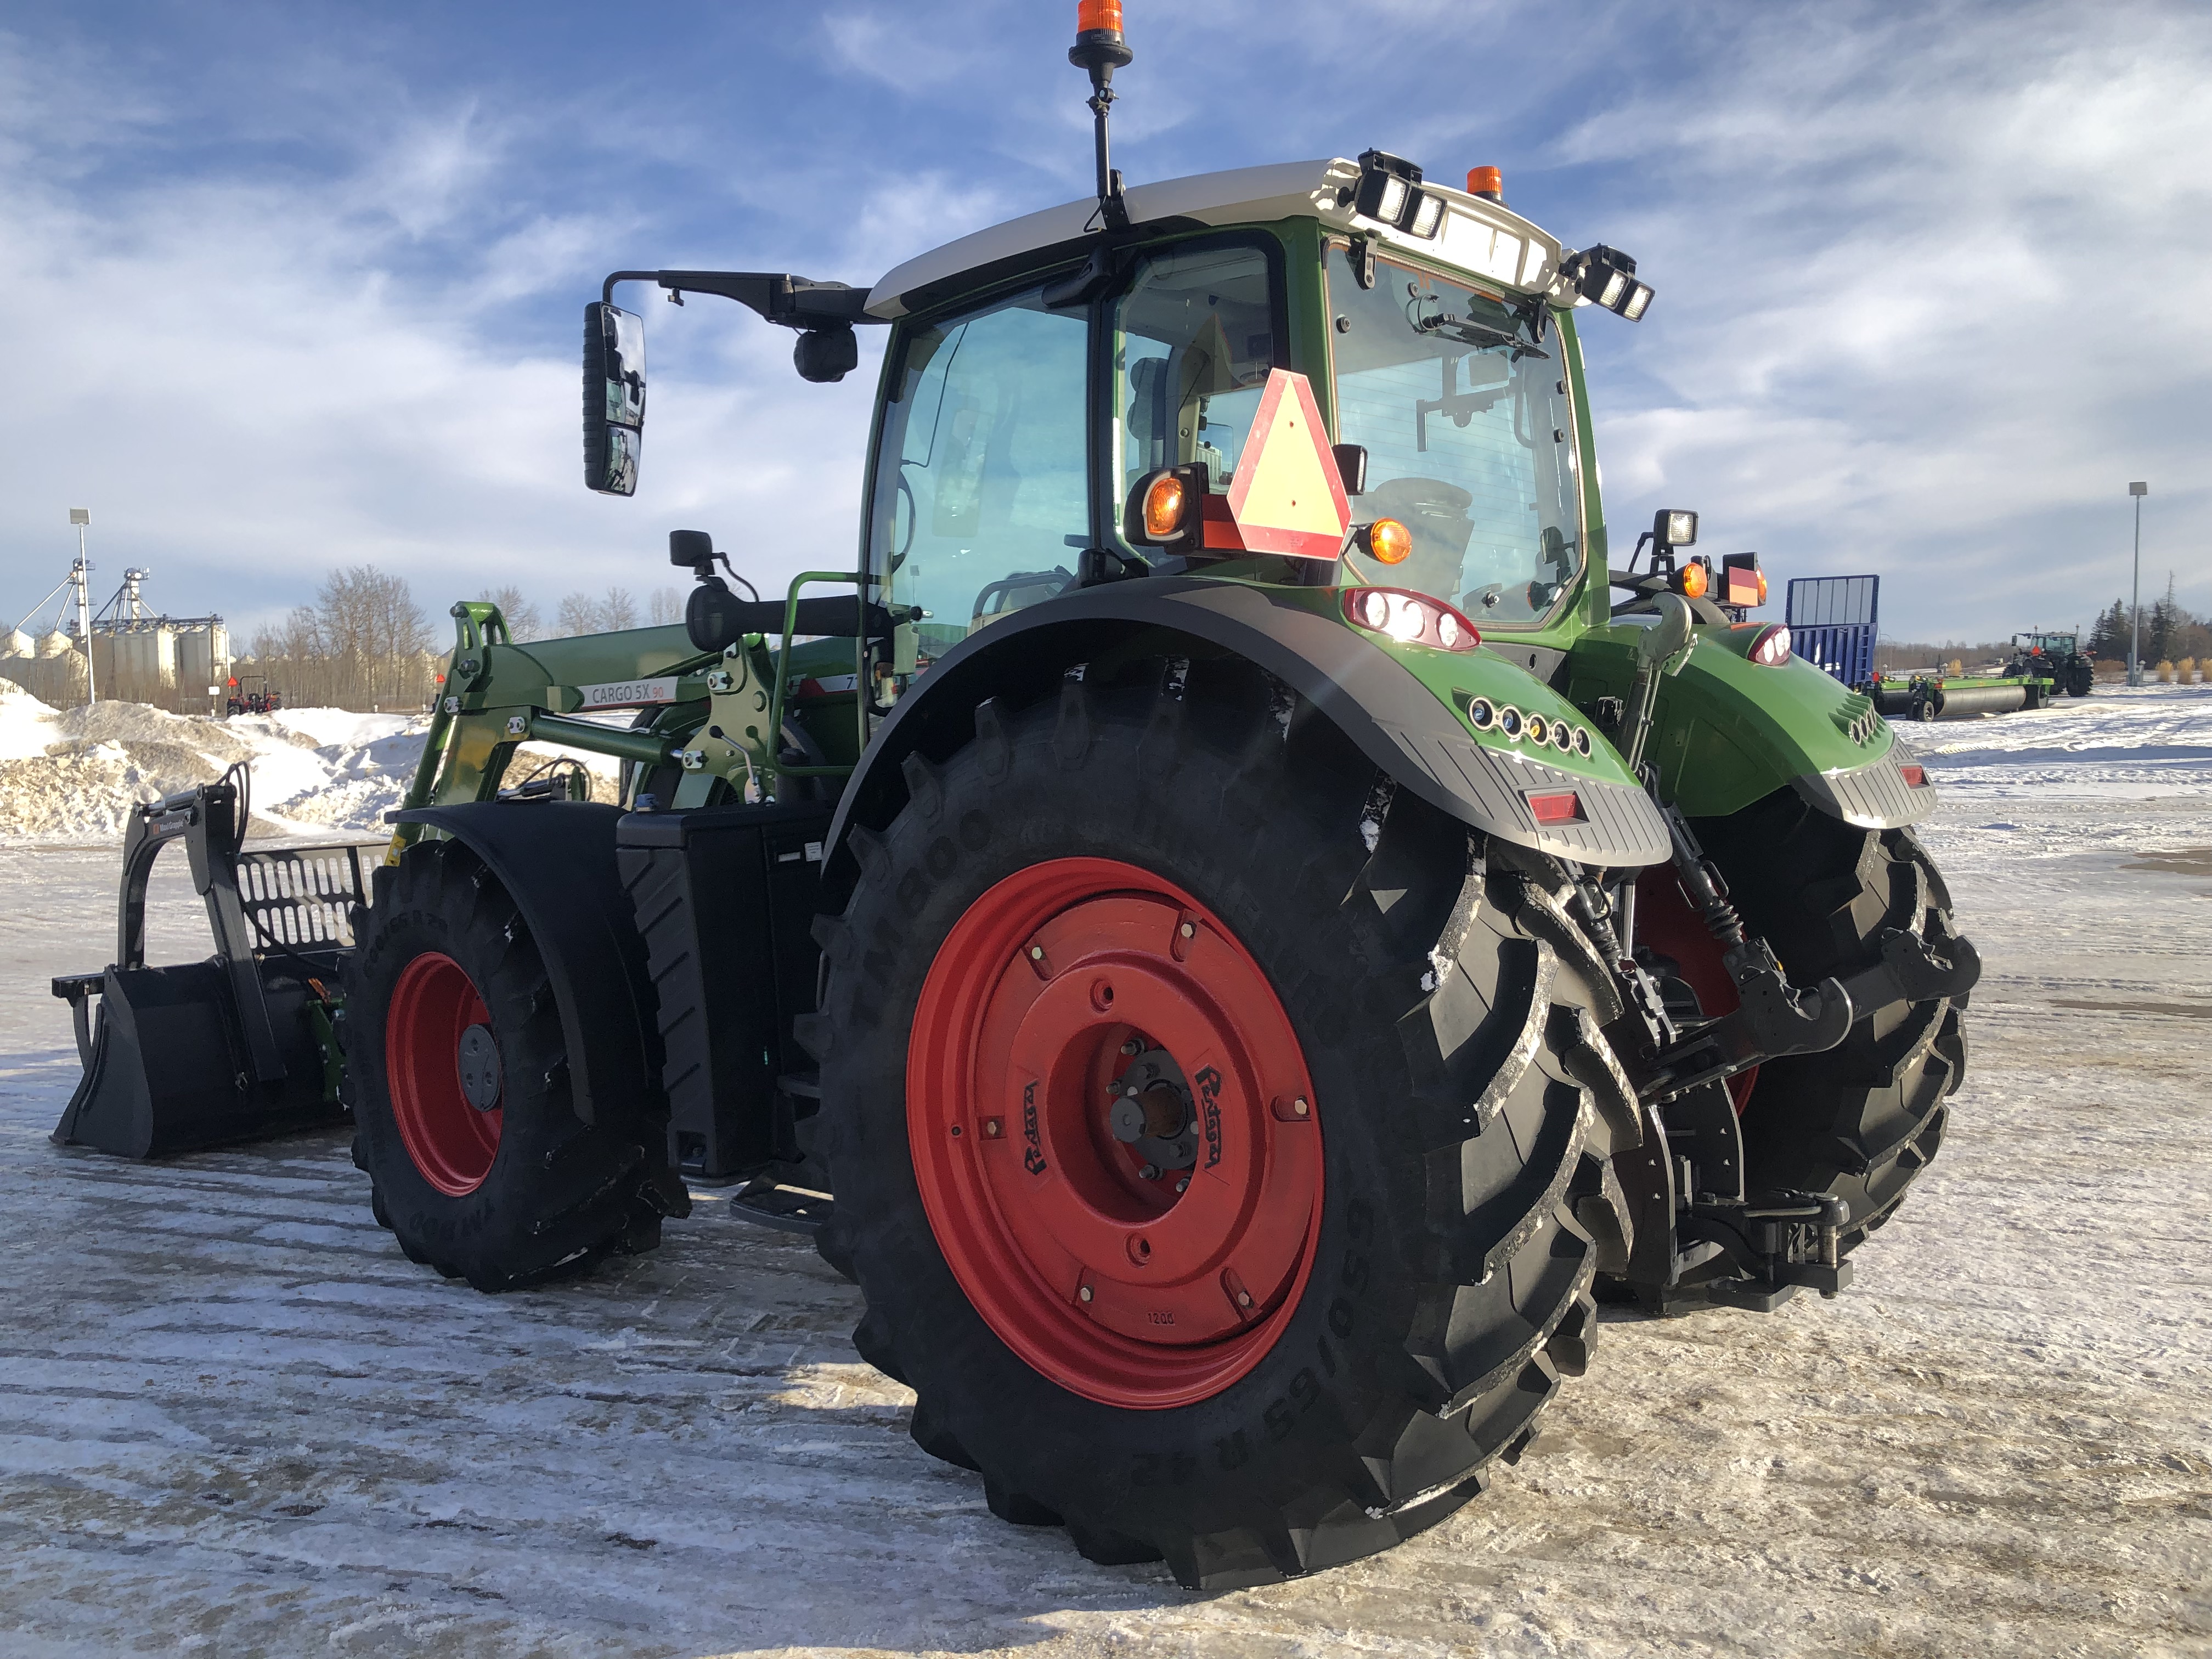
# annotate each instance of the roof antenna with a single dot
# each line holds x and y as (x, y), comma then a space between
(1100, 49)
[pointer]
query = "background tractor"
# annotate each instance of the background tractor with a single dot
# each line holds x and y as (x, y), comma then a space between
(1230, 922)
(2057, 658)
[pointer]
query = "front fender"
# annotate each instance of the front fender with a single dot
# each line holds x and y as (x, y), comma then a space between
(1728, 732)
(556, 861)
(1408, 728)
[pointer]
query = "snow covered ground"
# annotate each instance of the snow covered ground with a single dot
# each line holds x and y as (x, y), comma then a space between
(235, 1420)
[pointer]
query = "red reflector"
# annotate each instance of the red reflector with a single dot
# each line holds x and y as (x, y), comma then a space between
(1564, 808)
(1915, 776)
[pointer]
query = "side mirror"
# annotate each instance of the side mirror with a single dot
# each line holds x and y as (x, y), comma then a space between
(614, 397)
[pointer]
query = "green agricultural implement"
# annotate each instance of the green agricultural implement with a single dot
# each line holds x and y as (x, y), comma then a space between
(1231, 920)
(1939, 696)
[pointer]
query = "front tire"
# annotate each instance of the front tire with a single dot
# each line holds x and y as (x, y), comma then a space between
(458, 1078)
(1414, 1253)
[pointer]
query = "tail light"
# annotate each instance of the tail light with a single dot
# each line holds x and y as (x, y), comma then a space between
(1742, 582)
(1409, 618)
(1565, 806)
(1770, 645)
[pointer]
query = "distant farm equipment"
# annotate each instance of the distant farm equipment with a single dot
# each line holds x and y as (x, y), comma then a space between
(1835, 622)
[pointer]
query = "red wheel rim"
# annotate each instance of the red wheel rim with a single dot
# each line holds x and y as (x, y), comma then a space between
(1666, 922)
(1124, 1289)
(453, 1142)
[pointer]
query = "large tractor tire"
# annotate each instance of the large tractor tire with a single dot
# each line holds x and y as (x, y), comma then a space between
(458, 1080)
(1221, 1144)
(1860, 1122)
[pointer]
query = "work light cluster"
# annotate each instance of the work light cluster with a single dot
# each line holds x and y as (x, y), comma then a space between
(1538, 731)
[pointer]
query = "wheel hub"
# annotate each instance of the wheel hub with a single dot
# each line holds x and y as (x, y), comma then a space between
(442, 1071)
(1152, 1112)
(1086, 1029)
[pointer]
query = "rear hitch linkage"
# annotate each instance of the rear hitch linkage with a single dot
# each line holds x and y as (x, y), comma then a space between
(1773, 1018)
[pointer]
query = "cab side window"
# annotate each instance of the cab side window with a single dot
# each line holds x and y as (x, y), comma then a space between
(1194, 338)
(980, 501)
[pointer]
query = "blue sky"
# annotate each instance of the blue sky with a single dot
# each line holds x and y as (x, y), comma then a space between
(298, 285)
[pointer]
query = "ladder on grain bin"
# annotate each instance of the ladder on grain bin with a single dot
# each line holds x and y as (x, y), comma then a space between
(1832, 624)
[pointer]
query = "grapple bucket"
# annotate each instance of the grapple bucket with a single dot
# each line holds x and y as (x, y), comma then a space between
(242, 1045)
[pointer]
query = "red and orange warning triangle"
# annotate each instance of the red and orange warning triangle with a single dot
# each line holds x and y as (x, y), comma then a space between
(1287, 496)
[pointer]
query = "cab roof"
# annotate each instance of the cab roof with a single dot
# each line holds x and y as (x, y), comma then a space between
(1482, 238)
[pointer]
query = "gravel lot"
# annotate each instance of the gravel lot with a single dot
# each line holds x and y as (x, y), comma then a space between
(234, 1419)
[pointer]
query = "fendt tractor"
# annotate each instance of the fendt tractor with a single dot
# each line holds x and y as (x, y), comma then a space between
(1232, 922)
(2057, 658)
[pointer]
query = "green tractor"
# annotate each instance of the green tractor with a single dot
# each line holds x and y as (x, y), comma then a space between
(1229, 920)
(2057, 658)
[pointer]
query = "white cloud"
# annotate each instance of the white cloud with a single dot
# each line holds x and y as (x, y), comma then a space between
(1931, 291)
(251, 379)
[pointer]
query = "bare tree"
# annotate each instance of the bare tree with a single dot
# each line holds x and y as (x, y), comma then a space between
(579, 614)
(663, 605)
(618, 611)
(521, 615)
(363, 644)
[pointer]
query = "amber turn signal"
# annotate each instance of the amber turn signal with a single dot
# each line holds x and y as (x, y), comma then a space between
(1166, 509)
(1389, 542)
(1691, 579)
(1163, 505)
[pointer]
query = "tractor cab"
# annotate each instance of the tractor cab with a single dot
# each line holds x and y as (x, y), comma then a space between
(1064, 404)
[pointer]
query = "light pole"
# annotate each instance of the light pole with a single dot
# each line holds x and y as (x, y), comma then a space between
(2135, 620)
(81, 517)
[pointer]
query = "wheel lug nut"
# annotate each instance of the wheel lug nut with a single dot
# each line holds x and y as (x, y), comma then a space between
(1183, 1185)
(1148, 1173)
(1085, 1293)
(1132, 1048)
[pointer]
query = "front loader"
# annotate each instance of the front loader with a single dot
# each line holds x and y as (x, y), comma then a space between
(1232, 921)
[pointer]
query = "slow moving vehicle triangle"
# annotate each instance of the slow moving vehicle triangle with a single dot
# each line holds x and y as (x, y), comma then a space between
(1288, 496)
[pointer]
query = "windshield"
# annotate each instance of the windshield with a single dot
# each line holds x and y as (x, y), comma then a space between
(1470, 441)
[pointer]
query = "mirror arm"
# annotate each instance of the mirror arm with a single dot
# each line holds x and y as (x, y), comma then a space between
(799, 302)
(607, 287)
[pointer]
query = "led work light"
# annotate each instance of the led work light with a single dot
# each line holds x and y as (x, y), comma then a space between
(1389, 191)
(1607, 276)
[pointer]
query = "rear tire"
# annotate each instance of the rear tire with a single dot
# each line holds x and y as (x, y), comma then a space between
(1465, 1104)
(505, 1197)
(1861, 1121)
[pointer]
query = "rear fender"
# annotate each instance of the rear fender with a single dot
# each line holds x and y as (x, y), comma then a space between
(1408, 728)
(556, 861)
(1728, 732)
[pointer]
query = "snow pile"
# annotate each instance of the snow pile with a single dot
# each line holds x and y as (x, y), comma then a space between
(2118, 742)
(72, 776)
